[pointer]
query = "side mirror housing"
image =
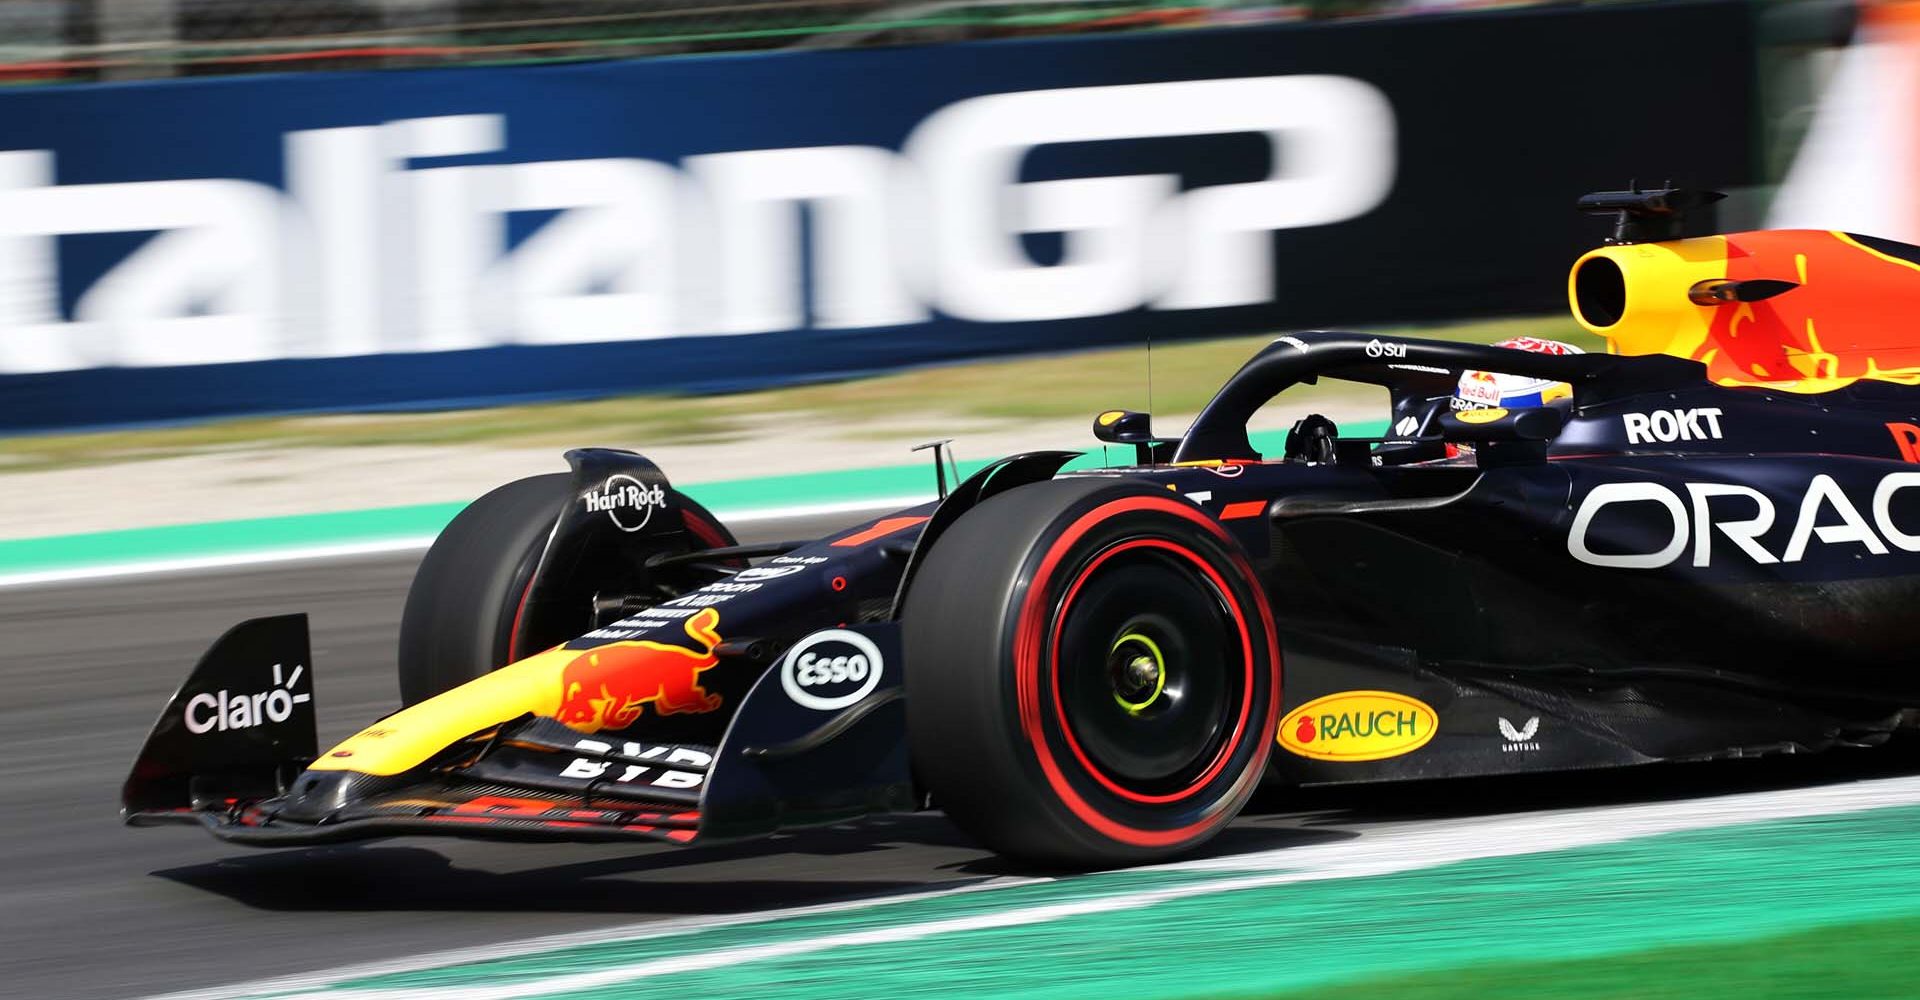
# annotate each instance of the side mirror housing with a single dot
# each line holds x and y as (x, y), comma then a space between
(1134, 428)
(1123, 427)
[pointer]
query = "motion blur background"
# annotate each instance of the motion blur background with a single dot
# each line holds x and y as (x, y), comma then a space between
(299, 256)
(287, 278)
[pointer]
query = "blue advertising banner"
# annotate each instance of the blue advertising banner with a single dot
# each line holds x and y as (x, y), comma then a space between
(410, 238)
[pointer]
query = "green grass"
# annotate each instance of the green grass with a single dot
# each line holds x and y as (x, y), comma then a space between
(1874, 959)
(1185, 375)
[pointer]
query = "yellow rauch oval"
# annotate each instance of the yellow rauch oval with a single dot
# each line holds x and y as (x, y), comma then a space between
(1359, 725)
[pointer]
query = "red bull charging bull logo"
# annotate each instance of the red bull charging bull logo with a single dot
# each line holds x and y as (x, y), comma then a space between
(606, 687)
(1831, 312)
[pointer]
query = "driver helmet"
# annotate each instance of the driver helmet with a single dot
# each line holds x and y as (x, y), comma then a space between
(1480, 390)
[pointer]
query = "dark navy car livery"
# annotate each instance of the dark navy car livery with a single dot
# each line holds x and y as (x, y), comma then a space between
(1701, 545)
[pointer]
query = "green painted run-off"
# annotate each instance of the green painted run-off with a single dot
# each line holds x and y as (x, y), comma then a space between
(1607, 905)
(422, 521)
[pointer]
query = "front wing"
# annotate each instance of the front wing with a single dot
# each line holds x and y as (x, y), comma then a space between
(779, 765)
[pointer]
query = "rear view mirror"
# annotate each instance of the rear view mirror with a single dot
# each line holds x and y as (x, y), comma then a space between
(1134, 428)
(1123, 427)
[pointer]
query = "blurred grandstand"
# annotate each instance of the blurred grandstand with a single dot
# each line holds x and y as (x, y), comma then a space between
(53, 40)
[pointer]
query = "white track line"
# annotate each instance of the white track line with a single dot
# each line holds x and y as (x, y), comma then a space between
(1393, 849)
(234, 560)
(652, 930)
(412, 543)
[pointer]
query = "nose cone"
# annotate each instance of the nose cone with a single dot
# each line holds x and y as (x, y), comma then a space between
(317, 796)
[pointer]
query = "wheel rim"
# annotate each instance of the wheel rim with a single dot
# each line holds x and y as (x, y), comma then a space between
(1149, 683)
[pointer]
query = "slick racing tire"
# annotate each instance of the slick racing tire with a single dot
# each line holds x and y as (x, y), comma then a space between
(466, 611)
(1091, 672)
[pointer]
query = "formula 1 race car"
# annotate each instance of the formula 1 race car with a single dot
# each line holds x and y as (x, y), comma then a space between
(1701, 546)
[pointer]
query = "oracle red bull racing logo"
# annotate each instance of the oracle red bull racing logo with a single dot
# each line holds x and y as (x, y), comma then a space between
(1687, 525)
(608, 686)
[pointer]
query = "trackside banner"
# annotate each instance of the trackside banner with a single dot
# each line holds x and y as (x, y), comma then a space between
(420, 238)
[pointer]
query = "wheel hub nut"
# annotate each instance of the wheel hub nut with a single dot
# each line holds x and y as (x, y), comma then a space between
(1142, 672)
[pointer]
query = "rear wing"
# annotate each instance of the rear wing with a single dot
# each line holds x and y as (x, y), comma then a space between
(240, 727)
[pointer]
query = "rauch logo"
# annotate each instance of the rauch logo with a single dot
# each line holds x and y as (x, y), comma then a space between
(1359, 725)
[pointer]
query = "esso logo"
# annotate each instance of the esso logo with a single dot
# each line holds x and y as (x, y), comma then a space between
(831, 670)
(817, 668)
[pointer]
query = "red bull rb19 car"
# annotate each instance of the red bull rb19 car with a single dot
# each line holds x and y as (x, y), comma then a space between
(1703, 545)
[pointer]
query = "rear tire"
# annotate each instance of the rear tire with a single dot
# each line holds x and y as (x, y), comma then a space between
(464, 607)
(1091, 672)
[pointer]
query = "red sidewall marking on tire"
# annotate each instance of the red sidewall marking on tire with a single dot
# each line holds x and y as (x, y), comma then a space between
(1026, 652)
(706, 532)
(1246, 694)
(519, 611)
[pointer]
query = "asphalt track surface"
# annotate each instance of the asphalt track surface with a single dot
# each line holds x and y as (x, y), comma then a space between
(90, 908)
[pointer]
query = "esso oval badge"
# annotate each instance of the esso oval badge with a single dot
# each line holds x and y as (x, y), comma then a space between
(832, 669)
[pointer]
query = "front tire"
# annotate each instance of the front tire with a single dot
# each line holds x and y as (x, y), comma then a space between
(1091, 672)
(466, 613)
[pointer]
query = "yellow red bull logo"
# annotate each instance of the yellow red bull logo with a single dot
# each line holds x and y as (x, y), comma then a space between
(1359, 725)
(606, 687)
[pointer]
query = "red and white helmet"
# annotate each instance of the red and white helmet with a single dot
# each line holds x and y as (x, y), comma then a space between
(1479, 390)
